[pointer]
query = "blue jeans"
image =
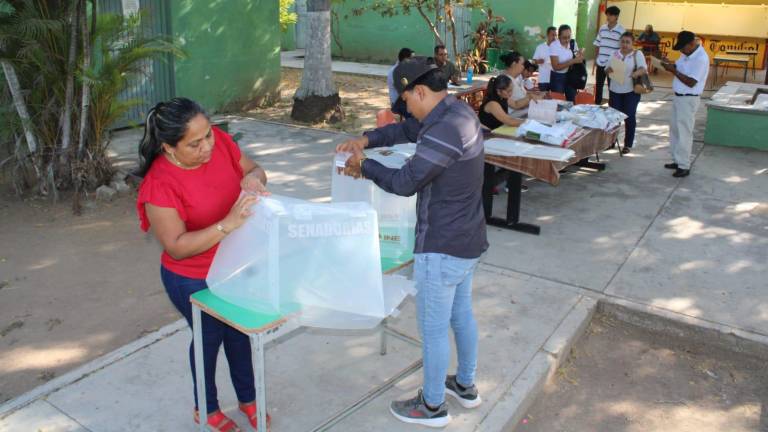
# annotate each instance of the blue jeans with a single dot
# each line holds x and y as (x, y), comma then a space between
(558, 82)
(237, 346)
(443, 300)
(626, 103)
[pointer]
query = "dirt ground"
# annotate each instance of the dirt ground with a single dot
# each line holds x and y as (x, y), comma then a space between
(72, 288)
(621, 378)
(361, 97)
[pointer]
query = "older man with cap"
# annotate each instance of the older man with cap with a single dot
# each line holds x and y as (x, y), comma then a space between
(447, 174)
(690, 72)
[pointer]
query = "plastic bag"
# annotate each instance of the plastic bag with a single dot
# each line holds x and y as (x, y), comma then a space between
(318, 262)
(396, 214)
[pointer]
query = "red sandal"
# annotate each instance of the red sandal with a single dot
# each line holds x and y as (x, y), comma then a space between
(250, 411)
(218, 422)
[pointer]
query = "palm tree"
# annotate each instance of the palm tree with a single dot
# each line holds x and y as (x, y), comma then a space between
(317, 98)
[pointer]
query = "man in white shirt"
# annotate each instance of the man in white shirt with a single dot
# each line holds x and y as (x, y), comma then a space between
(541, 57)
(607, 42)
(397, 105)
(690, 72)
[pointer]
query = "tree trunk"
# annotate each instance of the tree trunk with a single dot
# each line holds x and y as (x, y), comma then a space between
(432, 25)
(86, 96)
(66, 121)
(317, 98)
(449, 10)
(20, 104)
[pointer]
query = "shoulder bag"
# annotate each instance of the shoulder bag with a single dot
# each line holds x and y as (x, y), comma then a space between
(642, 84)
(576, 77)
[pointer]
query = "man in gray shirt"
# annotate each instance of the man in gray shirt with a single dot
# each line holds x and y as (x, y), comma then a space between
(447, 174)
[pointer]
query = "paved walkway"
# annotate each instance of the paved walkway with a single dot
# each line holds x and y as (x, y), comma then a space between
(692, 249)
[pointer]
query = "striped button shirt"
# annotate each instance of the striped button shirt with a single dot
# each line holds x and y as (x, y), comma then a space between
(608, 40)
(447, 174)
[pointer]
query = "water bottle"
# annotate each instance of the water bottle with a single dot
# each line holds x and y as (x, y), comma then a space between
(470, 74)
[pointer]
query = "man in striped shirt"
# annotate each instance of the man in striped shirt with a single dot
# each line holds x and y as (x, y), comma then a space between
(447, 174)
(607, 42)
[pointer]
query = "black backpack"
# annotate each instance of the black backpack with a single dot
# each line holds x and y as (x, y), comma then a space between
(576, 77)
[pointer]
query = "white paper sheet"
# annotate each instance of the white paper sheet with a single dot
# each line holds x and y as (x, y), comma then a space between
(619, 73)
(509, 147)
(544, 111)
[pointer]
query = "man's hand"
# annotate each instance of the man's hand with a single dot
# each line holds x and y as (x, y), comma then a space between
(352, 167)
(353, 145)
(668, 66)
(609, 70)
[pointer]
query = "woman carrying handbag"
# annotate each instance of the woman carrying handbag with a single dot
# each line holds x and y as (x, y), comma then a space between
(625, 93)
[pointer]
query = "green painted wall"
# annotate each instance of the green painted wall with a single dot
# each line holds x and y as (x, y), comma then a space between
(565, 12)
(373, 38)
(736, 129)
(519, 15)
(587, 26)
(233, 52)
(288, 38)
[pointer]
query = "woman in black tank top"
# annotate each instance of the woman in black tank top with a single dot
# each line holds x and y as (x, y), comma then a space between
(493, 111)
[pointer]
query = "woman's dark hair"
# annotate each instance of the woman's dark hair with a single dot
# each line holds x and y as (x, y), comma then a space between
(628, 34)
(166, 123)
(435, 80)
(510, 58)
(404, 54)
(531, 66)
(501, 82)
(562, 28)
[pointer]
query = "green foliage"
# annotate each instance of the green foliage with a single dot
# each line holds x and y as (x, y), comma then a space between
(35, 39)
(124, 55)
(287, 17)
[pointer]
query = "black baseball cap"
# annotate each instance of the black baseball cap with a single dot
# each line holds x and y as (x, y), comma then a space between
(683, 38)
(409, 70)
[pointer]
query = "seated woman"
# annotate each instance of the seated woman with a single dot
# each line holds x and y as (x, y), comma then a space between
(493, 115)
(529, 82)
(493, 111)
(519, 98)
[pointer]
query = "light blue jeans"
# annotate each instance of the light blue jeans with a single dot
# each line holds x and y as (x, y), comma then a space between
(443, 299)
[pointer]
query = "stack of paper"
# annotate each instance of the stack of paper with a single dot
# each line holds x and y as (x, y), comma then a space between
(558, 135)
(508, 147)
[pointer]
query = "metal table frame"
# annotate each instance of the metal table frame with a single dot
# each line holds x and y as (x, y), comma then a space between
(257, 336)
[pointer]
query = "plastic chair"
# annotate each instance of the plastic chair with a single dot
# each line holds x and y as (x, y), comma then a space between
(385, 117)
(557, 96)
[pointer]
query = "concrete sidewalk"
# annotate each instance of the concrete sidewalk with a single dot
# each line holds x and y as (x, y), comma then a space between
(689, 249)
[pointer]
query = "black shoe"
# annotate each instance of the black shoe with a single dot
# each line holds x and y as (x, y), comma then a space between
(468, 397)
(415, 411)
(671, 166)
(681, 172)
(626, 150)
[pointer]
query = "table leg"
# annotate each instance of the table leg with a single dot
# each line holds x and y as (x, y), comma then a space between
(586, 163)
(746, 66)
(197, 339)
(714, 75)
(383, 333)
(257, 340)
(514, 197)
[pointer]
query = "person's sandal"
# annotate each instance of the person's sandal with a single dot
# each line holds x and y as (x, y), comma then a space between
(625, 150)
(218, 422)
(250, 411)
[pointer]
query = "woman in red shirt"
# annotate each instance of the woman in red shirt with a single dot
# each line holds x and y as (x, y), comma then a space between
(193, 177)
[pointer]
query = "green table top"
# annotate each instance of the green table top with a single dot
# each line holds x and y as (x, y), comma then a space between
(249, 321)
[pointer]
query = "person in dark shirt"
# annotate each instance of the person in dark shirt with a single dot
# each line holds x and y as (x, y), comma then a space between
(450, 71)
(447, 174)
(493, 111)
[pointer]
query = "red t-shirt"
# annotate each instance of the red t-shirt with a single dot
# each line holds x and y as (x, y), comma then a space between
(202, 197)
